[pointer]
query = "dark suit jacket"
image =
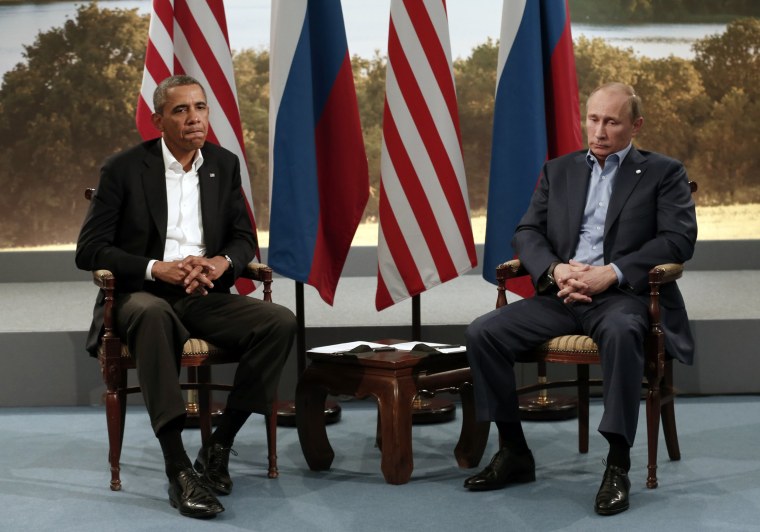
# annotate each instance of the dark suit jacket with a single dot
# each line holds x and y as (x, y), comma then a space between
(651, 220)
(125, 226)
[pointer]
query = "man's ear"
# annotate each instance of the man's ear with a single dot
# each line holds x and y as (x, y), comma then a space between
(637, 125)
(157, 120)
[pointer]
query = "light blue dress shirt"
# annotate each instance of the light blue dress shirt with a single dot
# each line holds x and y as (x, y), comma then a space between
(590, 248)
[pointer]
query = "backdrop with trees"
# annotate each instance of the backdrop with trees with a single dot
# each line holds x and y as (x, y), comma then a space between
(71, 103)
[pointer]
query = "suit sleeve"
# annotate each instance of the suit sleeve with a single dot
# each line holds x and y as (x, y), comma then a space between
(530, 240)
(675, 231)
(97, 243)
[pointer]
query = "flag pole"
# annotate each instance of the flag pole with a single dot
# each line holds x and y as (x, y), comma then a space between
(301, 332)
(416, 319)
(286, 410)
(432, 410)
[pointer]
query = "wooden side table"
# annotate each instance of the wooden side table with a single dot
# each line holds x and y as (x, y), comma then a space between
(393, 378)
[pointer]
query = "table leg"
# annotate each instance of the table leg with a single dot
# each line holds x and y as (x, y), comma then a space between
(310, 421)
(395, 398)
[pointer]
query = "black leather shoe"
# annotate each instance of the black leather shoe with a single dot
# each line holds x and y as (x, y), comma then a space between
(212, 463)
(612, 497)
(193, 499)
(505, 468)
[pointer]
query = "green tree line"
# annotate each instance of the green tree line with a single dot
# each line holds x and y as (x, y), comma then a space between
(71, 103)
(638, 11)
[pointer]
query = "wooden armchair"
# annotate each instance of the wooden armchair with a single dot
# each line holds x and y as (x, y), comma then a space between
(197, 356)
(583, 351)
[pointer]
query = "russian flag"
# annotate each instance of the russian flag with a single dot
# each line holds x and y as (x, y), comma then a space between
(536, 116)
(318, 175)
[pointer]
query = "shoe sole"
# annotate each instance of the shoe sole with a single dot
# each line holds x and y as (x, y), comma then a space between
(197, 515)
(611, 512)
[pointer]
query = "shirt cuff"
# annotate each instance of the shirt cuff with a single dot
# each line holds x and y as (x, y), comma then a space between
(148, 273)
(620, 276)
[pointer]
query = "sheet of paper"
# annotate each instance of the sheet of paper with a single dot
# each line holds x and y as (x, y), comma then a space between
(340, 348)
(443, 348)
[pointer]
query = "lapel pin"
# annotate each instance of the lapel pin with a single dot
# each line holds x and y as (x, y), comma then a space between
(637, 171)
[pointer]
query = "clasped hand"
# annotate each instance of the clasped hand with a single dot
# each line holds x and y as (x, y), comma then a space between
(196, 274)
(577, 281)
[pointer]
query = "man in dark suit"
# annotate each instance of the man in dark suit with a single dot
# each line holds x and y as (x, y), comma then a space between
(170, 220)
(598, 221)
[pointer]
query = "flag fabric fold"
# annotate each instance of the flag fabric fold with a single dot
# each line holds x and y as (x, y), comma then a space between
(536, 117)
(425, 236)
(190, 37)
(319, 180)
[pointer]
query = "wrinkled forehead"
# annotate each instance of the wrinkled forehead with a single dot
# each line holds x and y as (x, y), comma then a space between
(185, 94)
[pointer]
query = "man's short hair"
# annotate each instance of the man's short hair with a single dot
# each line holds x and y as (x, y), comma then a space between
(159, 95)
(634, 102)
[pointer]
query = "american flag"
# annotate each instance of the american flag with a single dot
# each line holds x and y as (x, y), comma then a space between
(190, 37)
(425, 237)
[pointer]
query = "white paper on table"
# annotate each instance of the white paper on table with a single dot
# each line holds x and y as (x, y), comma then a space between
(342, 348)
(408, 346)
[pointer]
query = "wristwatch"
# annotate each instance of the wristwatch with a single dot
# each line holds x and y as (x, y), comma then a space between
(229, 261)
(550, 273)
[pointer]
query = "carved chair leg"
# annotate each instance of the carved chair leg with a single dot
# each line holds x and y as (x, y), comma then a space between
(653, 433)
(115, 400)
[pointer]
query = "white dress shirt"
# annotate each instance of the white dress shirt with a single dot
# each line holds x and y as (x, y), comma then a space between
(590, 248)
(184, 226)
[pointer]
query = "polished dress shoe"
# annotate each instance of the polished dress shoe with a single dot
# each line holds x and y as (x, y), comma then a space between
(191, 497)
(212, 463)
(506, 468)
(612, 497)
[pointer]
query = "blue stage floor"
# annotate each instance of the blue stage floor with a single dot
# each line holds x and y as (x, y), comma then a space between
(54, 476)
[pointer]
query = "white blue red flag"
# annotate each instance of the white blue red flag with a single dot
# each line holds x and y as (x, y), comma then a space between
(536, 116)
(190, 37)
(425, 236)
(318, 176)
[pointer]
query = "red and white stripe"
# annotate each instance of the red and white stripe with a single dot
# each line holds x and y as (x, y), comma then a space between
(190, 37)
(425, 236)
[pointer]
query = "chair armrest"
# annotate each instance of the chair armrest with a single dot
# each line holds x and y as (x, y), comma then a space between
(507, 270)
(661, 274)
(510, 269)
(262, 273)
(654, 367)
(257, 272)
(665, 273)
(104, 279)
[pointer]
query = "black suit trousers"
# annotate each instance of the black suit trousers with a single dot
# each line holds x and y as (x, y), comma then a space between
(156, 328)
(616, 321)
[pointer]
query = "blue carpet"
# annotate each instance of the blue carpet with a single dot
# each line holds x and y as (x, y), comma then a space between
(54, 476)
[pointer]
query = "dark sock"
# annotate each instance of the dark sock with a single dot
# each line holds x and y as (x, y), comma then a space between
(512, 436)
(620, 452)
(230, 423)
(170, 438)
